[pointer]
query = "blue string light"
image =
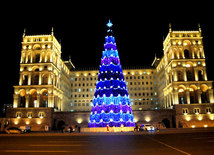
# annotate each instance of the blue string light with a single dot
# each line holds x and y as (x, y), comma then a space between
(111, 104)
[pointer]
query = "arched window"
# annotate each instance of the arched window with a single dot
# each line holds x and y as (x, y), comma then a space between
(180, 76)
(182, 96)
(33, 98)
(44, 99)
(187, 54)
(193, 95)
(45, 79)
(22, 99)
(190, 74)
(204, 94)
(200, 75)
(37, 59)
(25, 80)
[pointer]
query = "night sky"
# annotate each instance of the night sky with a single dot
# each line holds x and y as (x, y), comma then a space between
(139, 31)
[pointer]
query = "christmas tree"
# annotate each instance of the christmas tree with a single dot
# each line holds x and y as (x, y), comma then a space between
(111, 104)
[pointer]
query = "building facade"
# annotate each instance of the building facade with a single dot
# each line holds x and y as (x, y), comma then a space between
(175, 86)
(141, 84)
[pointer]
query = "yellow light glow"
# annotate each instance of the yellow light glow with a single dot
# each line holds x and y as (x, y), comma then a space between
(79, 120)
(16, 122)
(187, 65)
(27, 122)
(193, 126)
(205, 125)
(147, 119)
(136, 120)
(38, 122)
(188, 118)
(200, 118)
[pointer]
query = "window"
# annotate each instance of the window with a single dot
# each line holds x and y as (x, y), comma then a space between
(41, 114)
(29, 114)
(18, 114)
(208, 110)
(197, 110)
(185, 111)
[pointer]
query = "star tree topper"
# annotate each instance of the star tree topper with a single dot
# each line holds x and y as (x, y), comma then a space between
(109, 24)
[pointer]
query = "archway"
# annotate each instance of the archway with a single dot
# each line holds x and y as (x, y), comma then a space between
(166, 122)
(60, 125)
(22, 98)
(33, 98)
(204, 94)
(190, 72)
(193, 95)
(44, 98)
(182, 95)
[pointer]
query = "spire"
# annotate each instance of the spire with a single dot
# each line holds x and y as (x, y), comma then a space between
(52, 31)
(24, 33)
(170, 27)
(199, 27)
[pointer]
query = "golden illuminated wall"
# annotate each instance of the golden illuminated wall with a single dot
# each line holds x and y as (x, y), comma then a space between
(41, 74)
(184, 67)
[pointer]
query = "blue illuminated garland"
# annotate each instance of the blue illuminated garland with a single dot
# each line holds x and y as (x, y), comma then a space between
(111, 105)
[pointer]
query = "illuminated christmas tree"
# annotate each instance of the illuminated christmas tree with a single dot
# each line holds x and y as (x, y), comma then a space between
(111, 105)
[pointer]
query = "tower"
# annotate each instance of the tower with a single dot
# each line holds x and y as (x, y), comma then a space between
(41, 71)
(111, 104)
(185, 69)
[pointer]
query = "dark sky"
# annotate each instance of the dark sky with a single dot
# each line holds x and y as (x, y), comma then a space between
(139, 30)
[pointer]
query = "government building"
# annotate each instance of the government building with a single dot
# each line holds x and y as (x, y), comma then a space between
(173, 92)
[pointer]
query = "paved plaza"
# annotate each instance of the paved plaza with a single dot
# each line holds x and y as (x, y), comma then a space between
(166, 142)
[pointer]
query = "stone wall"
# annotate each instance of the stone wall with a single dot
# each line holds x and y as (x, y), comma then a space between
(37, 118)
(141, 117)
(191, 118)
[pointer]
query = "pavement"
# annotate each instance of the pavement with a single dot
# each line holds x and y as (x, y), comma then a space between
(198, 141)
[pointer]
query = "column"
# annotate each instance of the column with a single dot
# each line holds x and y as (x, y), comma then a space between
(27, 97)
(170, 101)
(40, 78)
(185, 75)
(15, 100)
(196, 74)
(175, 97)
(188, 96)
(175, 75)
(29, 79)
(38, 101)
(199, 95)
(50, 100)
(211, 95)
(49, 78)
(205, 75)
(20, 79)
